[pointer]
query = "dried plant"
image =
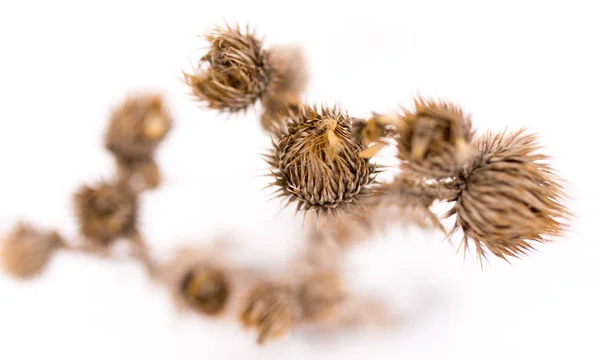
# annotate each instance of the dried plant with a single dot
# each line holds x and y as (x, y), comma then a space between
(504, 194)
(26, 250)
(434, 140)
(204, 280)
(374, 132)
(317, 163)
(508, 196)
(137, 127)
(237, 71)
(272, 308)
(106, 212)
(206, 289)
(134, 132)
(234, 73)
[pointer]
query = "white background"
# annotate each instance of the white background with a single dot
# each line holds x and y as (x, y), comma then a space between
(64, 65)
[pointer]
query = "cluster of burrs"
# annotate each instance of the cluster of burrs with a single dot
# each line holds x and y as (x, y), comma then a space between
(503, 194)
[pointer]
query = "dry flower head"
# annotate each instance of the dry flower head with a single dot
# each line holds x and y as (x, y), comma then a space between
(234, 73)
(106, 211)
(272, 309)
(317, 163)
(137, 127)
(206, 289)
(26, 250)
(508, 197)
(434, 140)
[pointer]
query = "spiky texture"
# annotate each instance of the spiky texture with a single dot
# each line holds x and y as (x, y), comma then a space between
(508, 197)
(317, 163)
(137, 127)
(290, 78)
(272, 309)
(434, 140)
(106, 212)
(26, 250)
(140, 174)
(206, 289)
(234, 73)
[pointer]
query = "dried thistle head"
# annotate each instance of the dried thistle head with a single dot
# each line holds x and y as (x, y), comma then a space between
(508, 196)
(272, 309)
(140, 174)
(206, 289)
(106, 212)
(26, 250)
(321, 295)
(434, 140)
(203, 280)
(317, 163)
(234, 73)
(137, 127)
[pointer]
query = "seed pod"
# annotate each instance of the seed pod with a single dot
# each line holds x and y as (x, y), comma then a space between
(317, 163)
(106, 212)
(137, 127)
(206, 289)
(272, 309)
(140, 174)
(26, 250)
(234, 73)
(434, 140)
(508, 196)
(290, 78)
(203, 279)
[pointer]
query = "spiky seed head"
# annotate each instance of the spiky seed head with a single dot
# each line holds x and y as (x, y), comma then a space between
(321, 295)
(26, 250)
(234, 73)
(206, 289)
(317, 163)
(140, 174)
(137, 127)
(106, 212)
(434, 140)
(272, 309)
(509, 196)
(203, 280)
